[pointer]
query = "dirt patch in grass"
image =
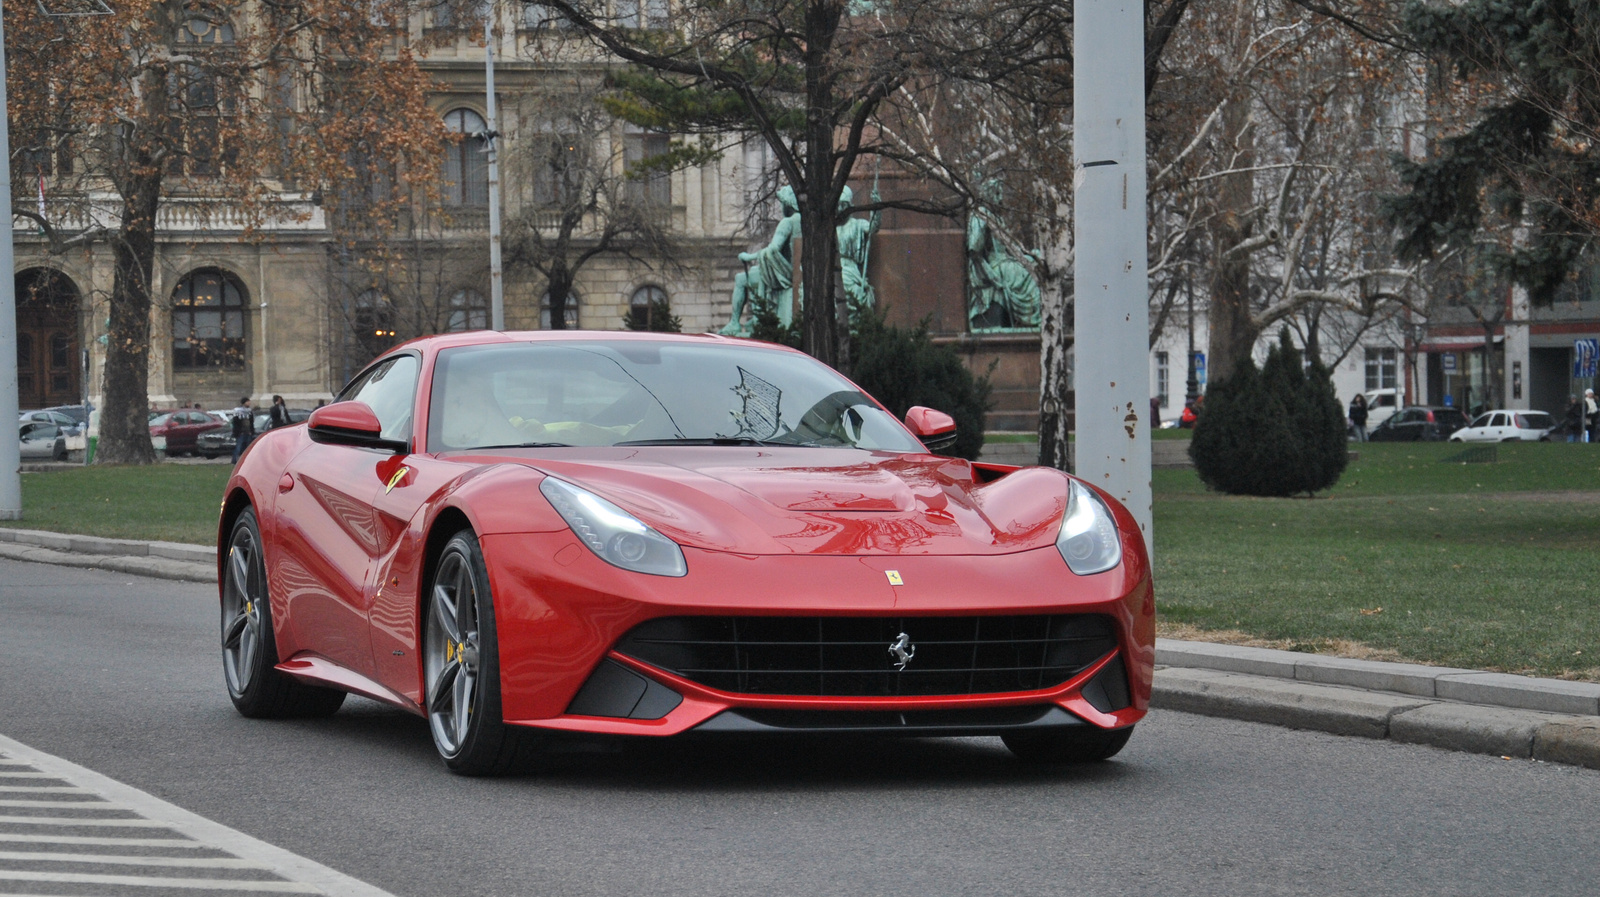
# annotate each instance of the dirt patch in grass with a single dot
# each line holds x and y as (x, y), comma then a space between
(1332, 647)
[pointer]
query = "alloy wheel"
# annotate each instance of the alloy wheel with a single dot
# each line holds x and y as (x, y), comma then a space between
(243, 592)
(451, 654)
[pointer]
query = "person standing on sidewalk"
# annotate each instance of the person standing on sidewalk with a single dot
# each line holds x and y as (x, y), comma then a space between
(1358, 416)
(279, 414)
(244, 427)
(1591, 417)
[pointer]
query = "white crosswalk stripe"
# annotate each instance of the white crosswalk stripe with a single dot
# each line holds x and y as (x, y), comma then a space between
(66, 832)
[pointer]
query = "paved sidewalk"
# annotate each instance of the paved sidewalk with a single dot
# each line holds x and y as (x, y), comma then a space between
(1464, 710)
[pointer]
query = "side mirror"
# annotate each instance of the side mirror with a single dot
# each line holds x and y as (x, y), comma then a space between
(936, 429)
(350, 423)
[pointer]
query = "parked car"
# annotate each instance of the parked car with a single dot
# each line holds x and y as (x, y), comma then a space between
(53, 416)
(1381, 405)
(42, 440)
(1419, 423)
(649, 534)
(78, 413)
(216, 443)
(175, 432)
(1507, 425)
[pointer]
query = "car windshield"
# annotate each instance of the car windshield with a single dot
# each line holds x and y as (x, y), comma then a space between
(656, 393)
(161, 421)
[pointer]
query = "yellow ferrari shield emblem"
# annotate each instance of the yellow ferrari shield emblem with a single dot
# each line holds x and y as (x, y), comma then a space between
(894, 577)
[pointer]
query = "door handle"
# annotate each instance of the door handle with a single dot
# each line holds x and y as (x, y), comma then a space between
(286, 483)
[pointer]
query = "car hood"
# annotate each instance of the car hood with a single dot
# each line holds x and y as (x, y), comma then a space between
(779, 500)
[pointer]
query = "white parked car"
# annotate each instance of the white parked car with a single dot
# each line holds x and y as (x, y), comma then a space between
(1506, 425)
(1381, 405)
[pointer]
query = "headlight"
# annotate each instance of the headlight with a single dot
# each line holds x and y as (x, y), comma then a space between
(1088, 542)
(612, 533)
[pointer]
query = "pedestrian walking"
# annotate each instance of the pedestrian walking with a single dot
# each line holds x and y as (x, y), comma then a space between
(279, 414)
(244, 427)
(1591, 417)
(1358, 416)
(1572, 424)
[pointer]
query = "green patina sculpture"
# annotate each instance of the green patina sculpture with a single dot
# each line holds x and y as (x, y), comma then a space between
(1001, 291)
(770, 284)
(855, 248)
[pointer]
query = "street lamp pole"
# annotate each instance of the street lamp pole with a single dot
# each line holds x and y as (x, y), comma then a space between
(10, 452)
(497, 299)
(1192, 388)
(1111, 267)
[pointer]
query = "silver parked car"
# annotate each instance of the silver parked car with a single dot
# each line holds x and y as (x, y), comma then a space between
(42, 440)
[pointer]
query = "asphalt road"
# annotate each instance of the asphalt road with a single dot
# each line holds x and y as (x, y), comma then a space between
(121, 675)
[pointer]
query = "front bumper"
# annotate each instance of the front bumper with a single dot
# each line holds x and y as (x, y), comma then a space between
(561, 611)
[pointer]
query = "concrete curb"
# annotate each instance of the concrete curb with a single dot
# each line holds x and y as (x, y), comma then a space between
(166, 560)
(1508, 716)
(1470, 686)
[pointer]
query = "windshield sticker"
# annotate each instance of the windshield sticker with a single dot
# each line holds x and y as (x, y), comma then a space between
(758, 415)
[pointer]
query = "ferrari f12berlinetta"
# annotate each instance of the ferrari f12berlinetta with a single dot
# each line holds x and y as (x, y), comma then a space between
(522, 534)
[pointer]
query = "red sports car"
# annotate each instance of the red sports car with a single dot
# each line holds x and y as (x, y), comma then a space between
(522, 534)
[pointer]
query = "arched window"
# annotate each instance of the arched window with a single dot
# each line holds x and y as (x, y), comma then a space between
(208, 322)
(372, 322)
(202, 99)
(469, 310)
(648, 309)
(466, 162)
(570, 315)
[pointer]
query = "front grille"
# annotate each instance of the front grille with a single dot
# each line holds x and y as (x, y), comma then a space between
(851, 656)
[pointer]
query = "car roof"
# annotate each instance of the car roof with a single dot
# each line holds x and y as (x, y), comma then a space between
(490, 337)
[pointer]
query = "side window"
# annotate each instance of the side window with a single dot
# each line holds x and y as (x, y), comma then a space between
(1482, 421)
(390, 390)
(1499, 421)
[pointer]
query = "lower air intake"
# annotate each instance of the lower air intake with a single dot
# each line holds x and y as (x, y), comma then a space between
(862, 656)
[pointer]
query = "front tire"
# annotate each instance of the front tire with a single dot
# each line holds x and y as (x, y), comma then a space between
(461, 666)
(1079, 744)
(249, 651)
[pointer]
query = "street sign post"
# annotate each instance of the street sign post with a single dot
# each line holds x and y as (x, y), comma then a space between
(1447, 362)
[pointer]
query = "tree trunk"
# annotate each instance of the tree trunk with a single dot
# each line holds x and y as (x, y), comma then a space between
(1233, 330)
(819, 333)
(558, 289)
(1055, 401)
(124, 423)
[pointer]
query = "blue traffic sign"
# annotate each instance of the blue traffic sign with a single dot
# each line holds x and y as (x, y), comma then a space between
(1200, 368)
(1585, 358)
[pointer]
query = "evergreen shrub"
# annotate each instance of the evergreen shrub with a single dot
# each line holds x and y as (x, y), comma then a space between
(1277, 431)
(902, 368)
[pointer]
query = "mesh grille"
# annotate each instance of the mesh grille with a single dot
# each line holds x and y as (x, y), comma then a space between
(851, 656)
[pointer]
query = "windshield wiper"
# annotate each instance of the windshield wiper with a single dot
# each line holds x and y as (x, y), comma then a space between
(479, 448)
(705, 440)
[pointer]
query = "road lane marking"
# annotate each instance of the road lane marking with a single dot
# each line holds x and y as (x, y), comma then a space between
(101, 842)
(274, 870)
(82, 822)
(110, 859)
(58, 804)
(209, 884)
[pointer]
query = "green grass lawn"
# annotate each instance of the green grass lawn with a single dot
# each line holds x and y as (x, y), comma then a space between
(1489, 566)
(163, 502)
